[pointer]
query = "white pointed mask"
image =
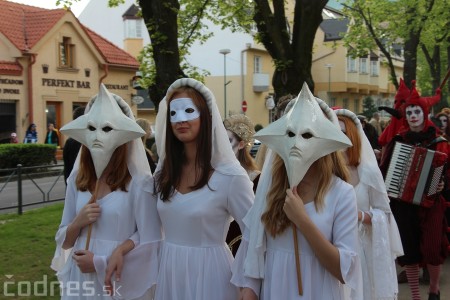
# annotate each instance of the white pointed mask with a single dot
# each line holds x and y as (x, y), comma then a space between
(104, 128)
(303, 135)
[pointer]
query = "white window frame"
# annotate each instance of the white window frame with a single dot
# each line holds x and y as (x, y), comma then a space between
(363, 65)
(351, 65)
(133, 28)
(374, 71)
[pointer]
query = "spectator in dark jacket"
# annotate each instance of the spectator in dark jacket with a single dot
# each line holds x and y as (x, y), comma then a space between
(71, 148)
(31, 134)
(370, 132)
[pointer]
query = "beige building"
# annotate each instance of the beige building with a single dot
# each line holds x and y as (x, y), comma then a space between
(339, 79)
(50, 64)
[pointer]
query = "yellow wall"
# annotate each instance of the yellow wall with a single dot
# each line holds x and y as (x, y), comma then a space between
(241, 88)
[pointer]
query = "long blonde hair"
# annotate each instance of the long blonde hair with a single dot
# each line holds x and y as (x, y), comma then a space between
(274, 218)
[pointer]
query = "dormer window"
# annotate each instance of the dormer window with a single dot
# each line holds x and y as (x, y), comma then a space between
(66, 53)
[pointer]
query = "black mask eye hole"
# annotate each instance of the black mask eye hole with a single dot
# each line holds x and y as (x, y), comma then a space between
(291, 134)
(307, 135)
(173, 113)
(107, 129)
(189, 110)
(91, 128)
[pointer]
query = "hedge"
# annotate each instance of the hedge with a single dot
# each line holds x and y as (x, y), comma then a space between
(27, 155)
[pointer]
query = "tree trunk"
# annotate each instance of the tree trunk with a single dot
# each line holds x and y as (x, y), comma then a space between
(293, 60)
(161, 17)
(410, 56)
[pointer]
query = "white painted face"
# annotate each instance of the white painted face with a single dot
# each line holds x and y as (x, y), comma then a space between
(182, 110)
(444, 122)
(415, 117)
(233, 141)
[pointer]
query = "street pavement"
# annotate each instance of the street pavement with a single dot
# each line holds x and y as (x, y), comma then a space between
(405, 294)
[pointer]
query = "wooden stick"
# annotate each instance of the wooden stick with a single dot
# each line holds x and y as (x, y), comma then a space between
(445, 79)
(297, 261)
(92, 200)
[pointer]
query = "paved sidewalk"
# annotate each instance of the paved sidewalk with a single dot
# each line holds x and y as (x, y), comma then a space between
(405, 294)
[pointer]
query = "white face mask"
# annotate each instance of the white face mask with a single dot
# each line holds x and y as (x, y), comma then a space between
(104, 128)
(302, 136)
(182, 110)
(414, 116)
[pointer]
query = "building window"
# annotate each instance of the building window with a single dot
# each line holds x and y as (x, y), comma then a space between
(345, 103)
(374, 68)
(356, 107)
(257, 64)
(351, 64)
(66, 52)
(363, 65)
(133, 28)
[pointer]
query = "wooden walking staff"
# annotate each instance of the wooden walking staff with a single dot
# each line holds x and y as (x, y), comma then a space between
(92, 200)
(297, 261)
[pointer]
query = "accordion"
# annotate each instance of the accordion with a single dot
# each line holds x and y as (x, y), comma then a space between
(414, 174)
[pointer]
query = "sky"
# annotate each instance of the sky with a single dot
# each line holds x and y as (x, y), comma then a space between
(77, 7)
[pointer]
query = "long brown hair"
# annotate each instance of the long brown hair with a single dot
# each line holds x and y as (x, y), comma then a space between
(117, 172)
(169, 177)
(354, 152)
(274, 218)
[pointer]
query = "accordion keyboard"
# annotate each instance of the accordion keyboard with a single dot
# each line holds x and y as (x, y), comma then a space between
(398, 169)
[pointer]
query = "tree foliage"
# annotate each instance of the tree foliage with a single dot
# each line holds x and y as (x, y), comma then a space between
(417, 25)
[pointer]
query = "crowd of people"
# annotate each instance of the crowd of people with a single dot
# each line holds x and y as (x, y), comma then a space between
(197, 217)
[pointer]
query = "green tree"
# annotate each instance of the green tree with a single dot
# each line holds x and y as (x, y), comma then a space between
(369, 107)
(383, 23)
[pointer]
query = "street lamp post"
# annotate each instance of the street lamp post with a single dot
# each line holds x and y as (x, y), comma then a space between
(225, 83)
(329, 66)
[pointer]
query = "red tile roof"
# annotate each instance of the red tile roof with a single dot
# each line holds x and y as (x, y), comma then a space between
(25, 25)
(10, 68)
(110, 52)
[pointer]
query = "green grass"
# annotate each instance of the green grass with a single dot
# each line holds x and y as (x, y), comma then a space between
(27, 245)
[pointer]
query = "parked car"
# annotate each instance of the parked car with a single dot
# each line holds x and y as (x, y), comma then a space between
(255, 148)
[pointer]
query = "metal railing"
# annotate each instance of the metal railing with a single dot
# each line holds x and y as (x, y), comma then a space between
(21, 186)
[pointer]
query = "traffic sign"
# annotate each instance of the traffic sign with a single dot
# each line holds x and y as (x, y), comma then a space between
(244, 106)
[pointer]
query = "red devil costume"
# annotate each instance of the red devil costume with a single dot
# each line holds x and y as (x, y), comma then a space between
(422, 229)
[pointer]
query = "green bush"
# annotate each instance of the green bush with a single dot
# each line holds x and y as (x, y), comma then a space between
(258, 127)
(27, 155)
